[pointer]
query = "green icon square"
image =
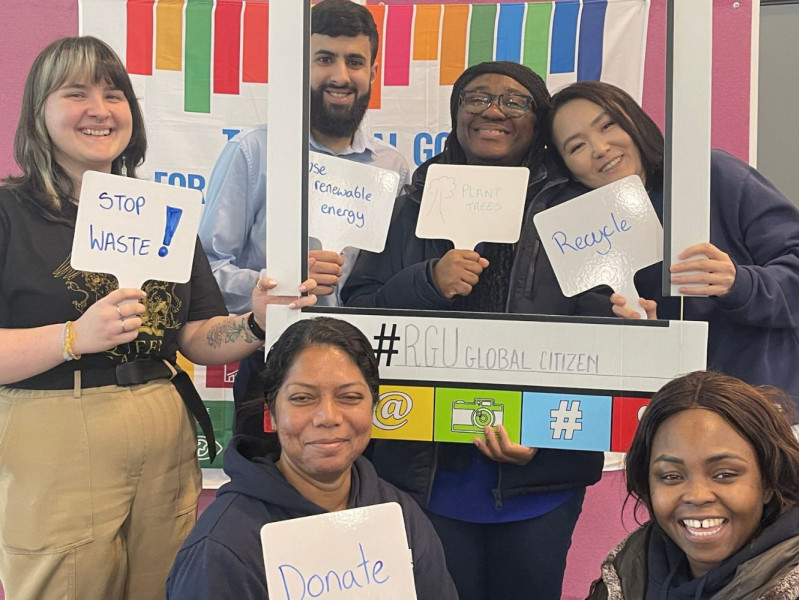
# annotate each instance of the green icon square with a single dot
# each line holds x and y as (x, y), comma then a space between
(221, 413)
(461, 414)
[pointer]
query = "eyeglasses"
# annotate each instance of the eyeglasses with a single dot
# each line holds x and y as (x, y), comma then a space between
(511, 105)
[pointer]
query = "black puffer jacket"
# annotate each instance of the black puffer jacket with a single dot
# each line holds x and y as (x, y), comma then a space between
(401, 277)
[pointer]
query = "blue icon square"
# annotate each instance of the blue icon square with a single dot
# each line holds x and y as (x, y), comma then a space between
(566, 421)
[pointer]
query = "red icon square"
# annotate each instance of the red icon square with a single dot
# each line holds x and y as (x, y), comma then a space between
(626, 414)
(221, 376)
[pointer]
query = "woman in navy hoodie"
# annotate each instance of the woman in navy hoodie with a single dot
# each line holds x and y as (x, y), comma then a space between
(320, 387)
(748, 269)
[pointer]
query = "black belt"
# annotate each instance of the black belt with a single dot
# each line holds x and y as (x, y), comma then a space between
(137, 372)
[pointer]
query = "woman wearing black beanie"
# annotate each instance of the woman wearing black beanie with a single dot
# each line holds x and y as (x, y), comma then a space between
(505, 512)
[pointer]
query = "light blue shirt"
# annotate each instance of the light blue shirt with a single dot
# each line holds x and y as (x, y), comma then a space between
(233, 226)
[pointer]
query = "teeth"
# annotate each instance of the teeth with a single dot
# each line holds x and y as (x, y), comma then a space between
(703, 524)
(611, 164)
(99, 132)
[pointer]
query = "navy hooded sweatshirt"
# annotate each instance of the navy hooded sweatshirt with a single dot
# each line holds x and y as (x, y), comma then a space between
(222, 558)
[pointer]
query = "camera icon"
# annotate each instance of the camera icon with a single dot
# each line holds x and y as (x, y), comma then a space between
(472, 416)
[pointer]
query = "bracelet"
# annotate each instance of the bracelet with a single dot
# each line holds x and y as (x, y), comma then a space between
(67, 338)
(255, 328)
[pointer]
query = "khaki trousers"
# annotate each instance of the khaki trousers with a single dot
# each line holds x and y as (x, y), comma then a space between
(98, 490)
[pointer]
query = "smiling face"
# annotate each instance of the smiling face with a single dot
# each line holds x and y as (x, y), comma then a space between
(491, 138)
(594, 147)
(90, 124)
(705, 487)
(323, 416)
(341, 81)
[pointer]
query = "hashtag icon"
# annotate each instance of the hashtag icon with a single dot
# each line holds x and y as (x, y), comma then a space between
(566, 419)
(384, 338)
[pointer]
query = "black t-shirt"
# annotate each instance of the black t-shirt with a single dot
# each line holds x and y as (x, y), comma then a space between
(39, 287)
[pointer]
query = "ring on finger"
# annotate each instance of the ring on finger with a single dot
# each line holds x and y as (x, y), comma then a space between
(123, 326)
(119, 312)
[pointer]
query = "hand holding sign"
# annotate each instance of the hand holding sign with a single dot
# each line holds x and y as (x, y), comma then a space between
(349, 203)
(135, 230)
(357, 553)
(458, 272)
(471, 204)
(603, 237)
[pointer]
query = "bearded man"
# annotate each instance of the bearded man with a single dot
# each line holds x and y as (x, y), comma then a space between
(344, 42)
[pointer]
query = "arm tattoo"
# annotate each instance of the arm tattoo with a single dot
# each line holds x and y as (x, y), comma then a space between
(230, 331)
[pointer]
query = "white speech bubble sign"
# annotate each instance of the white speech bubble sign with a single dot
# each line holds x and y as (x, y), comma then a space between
(603, 237)
(135, 230)
(355, 553)
(473, 204)
(349, 203)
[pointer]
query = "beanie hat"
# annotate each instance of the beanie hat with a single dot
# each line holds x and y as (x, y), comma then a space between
(524, 75)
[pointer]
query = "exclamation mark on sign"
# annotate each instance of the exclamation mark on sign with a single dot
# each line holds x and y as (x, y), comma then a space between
(172, 219)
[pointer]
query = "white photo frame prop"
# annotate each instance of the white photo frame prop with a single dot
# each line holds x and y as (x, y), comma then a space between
(356, 553)
(686, 161)
(620, 362)
(287, 145)
(136, 230)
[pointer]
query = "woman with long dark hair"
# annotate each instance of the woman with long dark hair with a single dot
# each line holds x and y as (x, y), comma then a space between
(716, 464)
(320, 386)
(748, 269)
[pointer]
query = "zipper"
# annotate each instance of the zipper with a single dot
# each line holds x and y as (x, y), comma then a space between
(528, 283)
(497, 492)
(432, 476)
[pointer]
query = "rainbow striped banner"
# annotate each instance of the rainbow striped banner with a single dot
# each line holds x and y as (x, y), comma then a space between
(224, 43)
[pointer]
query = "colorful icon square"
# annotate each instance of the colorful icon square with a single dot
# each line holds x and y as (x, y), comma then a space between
(566, 421)
(461, 414)
(221, 376)
(404, 413)
(627, 413)
(221, 413)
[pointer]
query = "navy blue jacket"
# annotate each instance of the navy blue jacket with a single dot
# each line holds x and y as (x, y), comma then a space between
(753, 330)
(223, 559)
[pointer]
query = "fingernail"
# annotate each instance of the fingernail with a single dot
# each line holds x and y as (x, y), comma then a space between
(293, 305)
(271, 282)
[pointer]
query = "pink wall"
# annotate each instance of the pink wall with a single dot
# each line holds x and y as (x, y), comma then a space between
(28, 26)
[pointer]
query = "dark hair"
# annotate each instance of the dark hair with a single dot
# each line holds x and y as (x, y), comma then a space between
(335, 18)
(65, 60)
(757, 414)
(321, 331)
(531, 81)
(623, 110)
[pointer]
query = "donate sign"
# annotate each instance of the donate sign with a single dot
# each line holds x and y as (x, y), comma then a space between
(356, 553)
(603, 237)
(135, 230)
(470, 204)
(349, 203)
